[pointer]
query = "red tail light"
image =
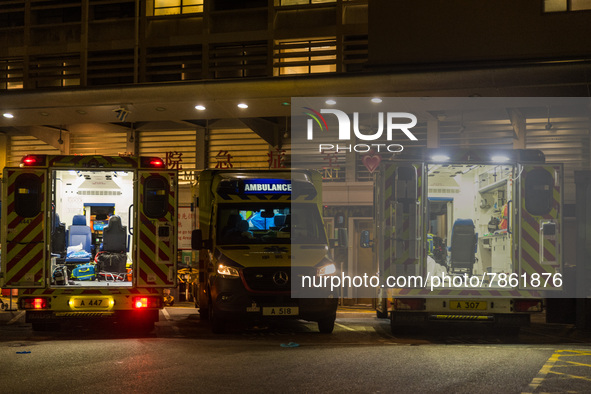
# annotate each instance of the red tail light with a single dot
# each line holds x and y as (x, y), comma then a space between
(152, 162)
(417, 304)
(33, 160)
(147, 302)
(527, 305)
(34, 303)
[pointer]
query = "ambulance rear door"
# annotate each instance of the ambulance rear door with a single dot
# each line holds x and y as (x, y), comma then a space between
(402, 243)
(156, 230)
(24, 209)
(540, 221)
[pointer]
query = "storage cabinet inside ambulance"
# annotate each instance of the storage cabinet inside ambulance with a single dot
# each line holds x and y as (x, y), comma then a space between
(468, 222)
(91, 224)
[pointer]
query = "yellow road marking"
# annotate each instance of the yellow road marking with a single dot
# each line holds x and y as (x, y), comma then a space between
(571, 376)
(537, 381)
(576, 363)
(547, 367)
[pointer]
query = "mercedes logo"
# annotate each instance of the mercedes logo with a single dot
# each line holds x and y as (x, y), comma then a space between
(280, 278)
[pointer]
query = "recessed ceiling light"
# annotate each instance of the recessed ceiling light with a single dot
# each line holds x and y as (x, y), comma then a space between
(242, 105)
(376, 100)
(200, 107)
(81, 111)
(160, 109)
(8, 115)
(44, 113)
(330, 102)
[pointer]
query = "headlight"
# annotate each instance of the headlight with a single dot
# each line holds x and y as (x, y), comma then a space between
(327, 269)
(226, 270)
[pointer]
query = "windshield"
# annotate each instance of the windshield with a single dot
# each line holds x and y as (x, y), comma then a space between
(255, 223)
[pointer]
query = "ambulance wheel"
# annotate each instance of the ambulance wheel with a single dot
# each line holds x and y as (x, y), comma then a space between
(45, 326)
(218, 325)
(326, 326)
(203, 313)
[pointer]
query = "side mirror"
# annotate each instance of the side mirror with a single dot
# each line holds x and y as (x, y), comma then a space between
(196, 239)
(365, 241)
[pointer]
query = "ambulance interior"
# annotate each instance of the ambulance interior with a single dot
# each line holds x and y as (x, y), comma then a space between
(91, 228)
(469, 231)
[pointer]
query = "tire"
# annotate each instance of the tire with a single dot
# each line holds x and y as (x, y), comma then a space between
(143, 327)
(138, 324)
(203, 313)
(382, 314)
(218, 325)
(45, 326)
(326, 326)
(400, 329)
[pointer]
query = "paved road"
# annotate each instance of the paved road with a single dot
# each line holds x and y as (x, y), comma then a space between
(181, 355)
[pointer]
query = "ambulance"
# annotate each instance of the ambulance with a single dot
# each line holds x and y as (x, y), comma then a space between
(467, 235)
(259, 231)
(89, 237)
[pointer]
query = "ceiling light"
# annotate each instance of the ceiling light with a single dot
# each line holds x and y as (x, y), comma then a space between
(330, 102)
(160, 109)
(81, 111)
(242, 105)
(376, 100)
(44, 113)
(500, 159)
(439, 158)
(200, 107)
(8, 115)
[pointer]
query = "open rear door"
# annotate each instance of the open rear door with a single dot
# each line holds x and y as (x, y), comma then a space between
(403, 229)
(540, 217)
(24, 210)
(156, 233)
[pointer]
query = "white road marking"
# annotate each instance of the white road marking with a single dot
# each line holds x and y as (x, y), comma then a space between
(345, 327)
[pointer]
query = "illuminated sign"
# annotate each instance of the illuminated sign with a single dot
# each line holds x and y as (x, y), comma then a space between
(267, 186)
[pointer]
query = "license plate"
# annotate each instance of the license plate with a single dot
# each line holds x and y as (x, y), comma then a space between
(91, 303)
(468, 305)
(281, 311)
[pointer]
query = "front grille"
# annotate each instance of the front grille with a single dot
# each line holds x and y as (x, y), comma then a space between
(268, 278)
(273, 278)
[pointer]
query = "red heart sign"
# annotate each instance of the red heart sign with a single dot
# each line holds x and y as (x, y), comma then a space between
(371, 162)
